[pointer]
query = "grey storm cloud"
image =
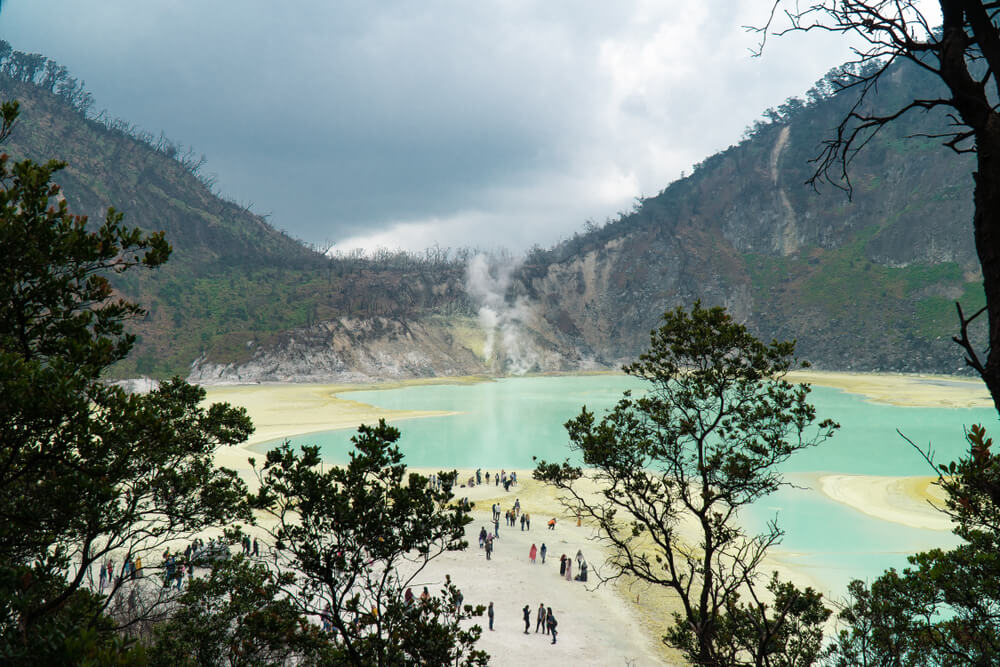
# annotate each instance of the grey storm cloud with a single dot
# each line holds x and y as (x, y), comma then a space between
(408, 124)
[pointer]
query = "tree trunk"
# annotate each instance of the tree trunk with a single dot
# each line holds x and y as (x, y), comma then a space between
(986, 221)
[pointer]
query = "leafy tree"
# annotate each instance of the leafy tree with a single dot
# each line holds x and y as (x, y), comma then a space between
(236, 616)
(87, 472)
(703, 443)
(355, 538)
(964, 55)
(945, 608)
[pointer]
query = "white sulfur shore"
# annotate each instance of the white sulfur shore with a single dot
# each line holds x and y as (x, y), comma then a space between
(910, 501)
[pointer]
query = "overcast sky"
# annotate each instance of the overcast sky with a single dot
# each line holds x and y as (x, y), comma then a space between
(414, 123)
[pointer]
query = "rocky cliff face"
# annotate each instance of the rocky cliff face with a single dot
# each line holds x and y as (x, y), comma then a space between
(357, 350)
(861, 283)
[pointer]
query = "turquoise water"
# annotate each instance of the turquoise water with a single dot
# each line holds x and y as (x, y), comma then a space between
(834, 543)
(506, 422)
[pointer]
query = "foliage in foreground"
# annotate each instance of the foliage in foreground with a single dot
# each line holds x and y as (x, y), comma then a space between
(945, 608)
(354, 538)
(703, 442)
(87, 472)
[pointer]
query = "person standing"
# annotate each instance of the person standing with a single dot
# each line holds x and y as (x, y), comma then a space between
(256, 547)
(541, 620)
(527, 618)
(489, 547)
(489, 610)
(523, 520)
(562, 565)
(550, 622)
(569, 569)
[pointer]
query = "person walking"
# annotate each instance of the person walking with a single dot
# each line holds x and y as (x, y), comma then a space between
(551, 623)
(527, 618)
(562, 565)
(256, 547)
(489, 610)
(527, 521)
(569, 569)
(541, 552)
(541, 620)
(522, 521)
(489, 547)
(532, 553)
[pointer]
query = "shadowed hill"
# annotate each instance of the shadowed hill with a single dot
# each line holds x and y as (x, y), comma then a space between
(233, 281)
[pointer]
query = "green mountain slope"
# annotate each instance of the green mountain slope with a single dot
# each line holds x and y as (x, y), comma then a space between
(866, 283)
(233, 281)
(863, 284)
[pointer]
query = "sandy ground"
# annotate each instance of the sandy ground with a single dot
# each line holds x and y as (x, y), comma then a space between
(910, 501)
(944, 391)
(597, 625)
(607, 625)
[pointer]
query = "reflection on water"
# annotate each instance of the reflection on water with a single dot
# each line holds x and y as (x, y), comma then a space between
(507, 422)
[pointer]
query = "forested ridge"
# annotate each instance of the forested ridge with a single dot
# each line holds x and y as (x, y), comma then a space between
(235, 280)
(866, 282)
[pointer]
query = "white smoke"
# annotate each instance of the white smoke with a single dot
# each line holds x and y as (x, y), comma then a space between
(507, 347)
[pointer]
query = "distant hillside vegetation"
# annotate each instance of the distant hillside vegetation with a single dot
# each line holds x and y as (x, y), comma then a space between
(233, 281)
(862, 284)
